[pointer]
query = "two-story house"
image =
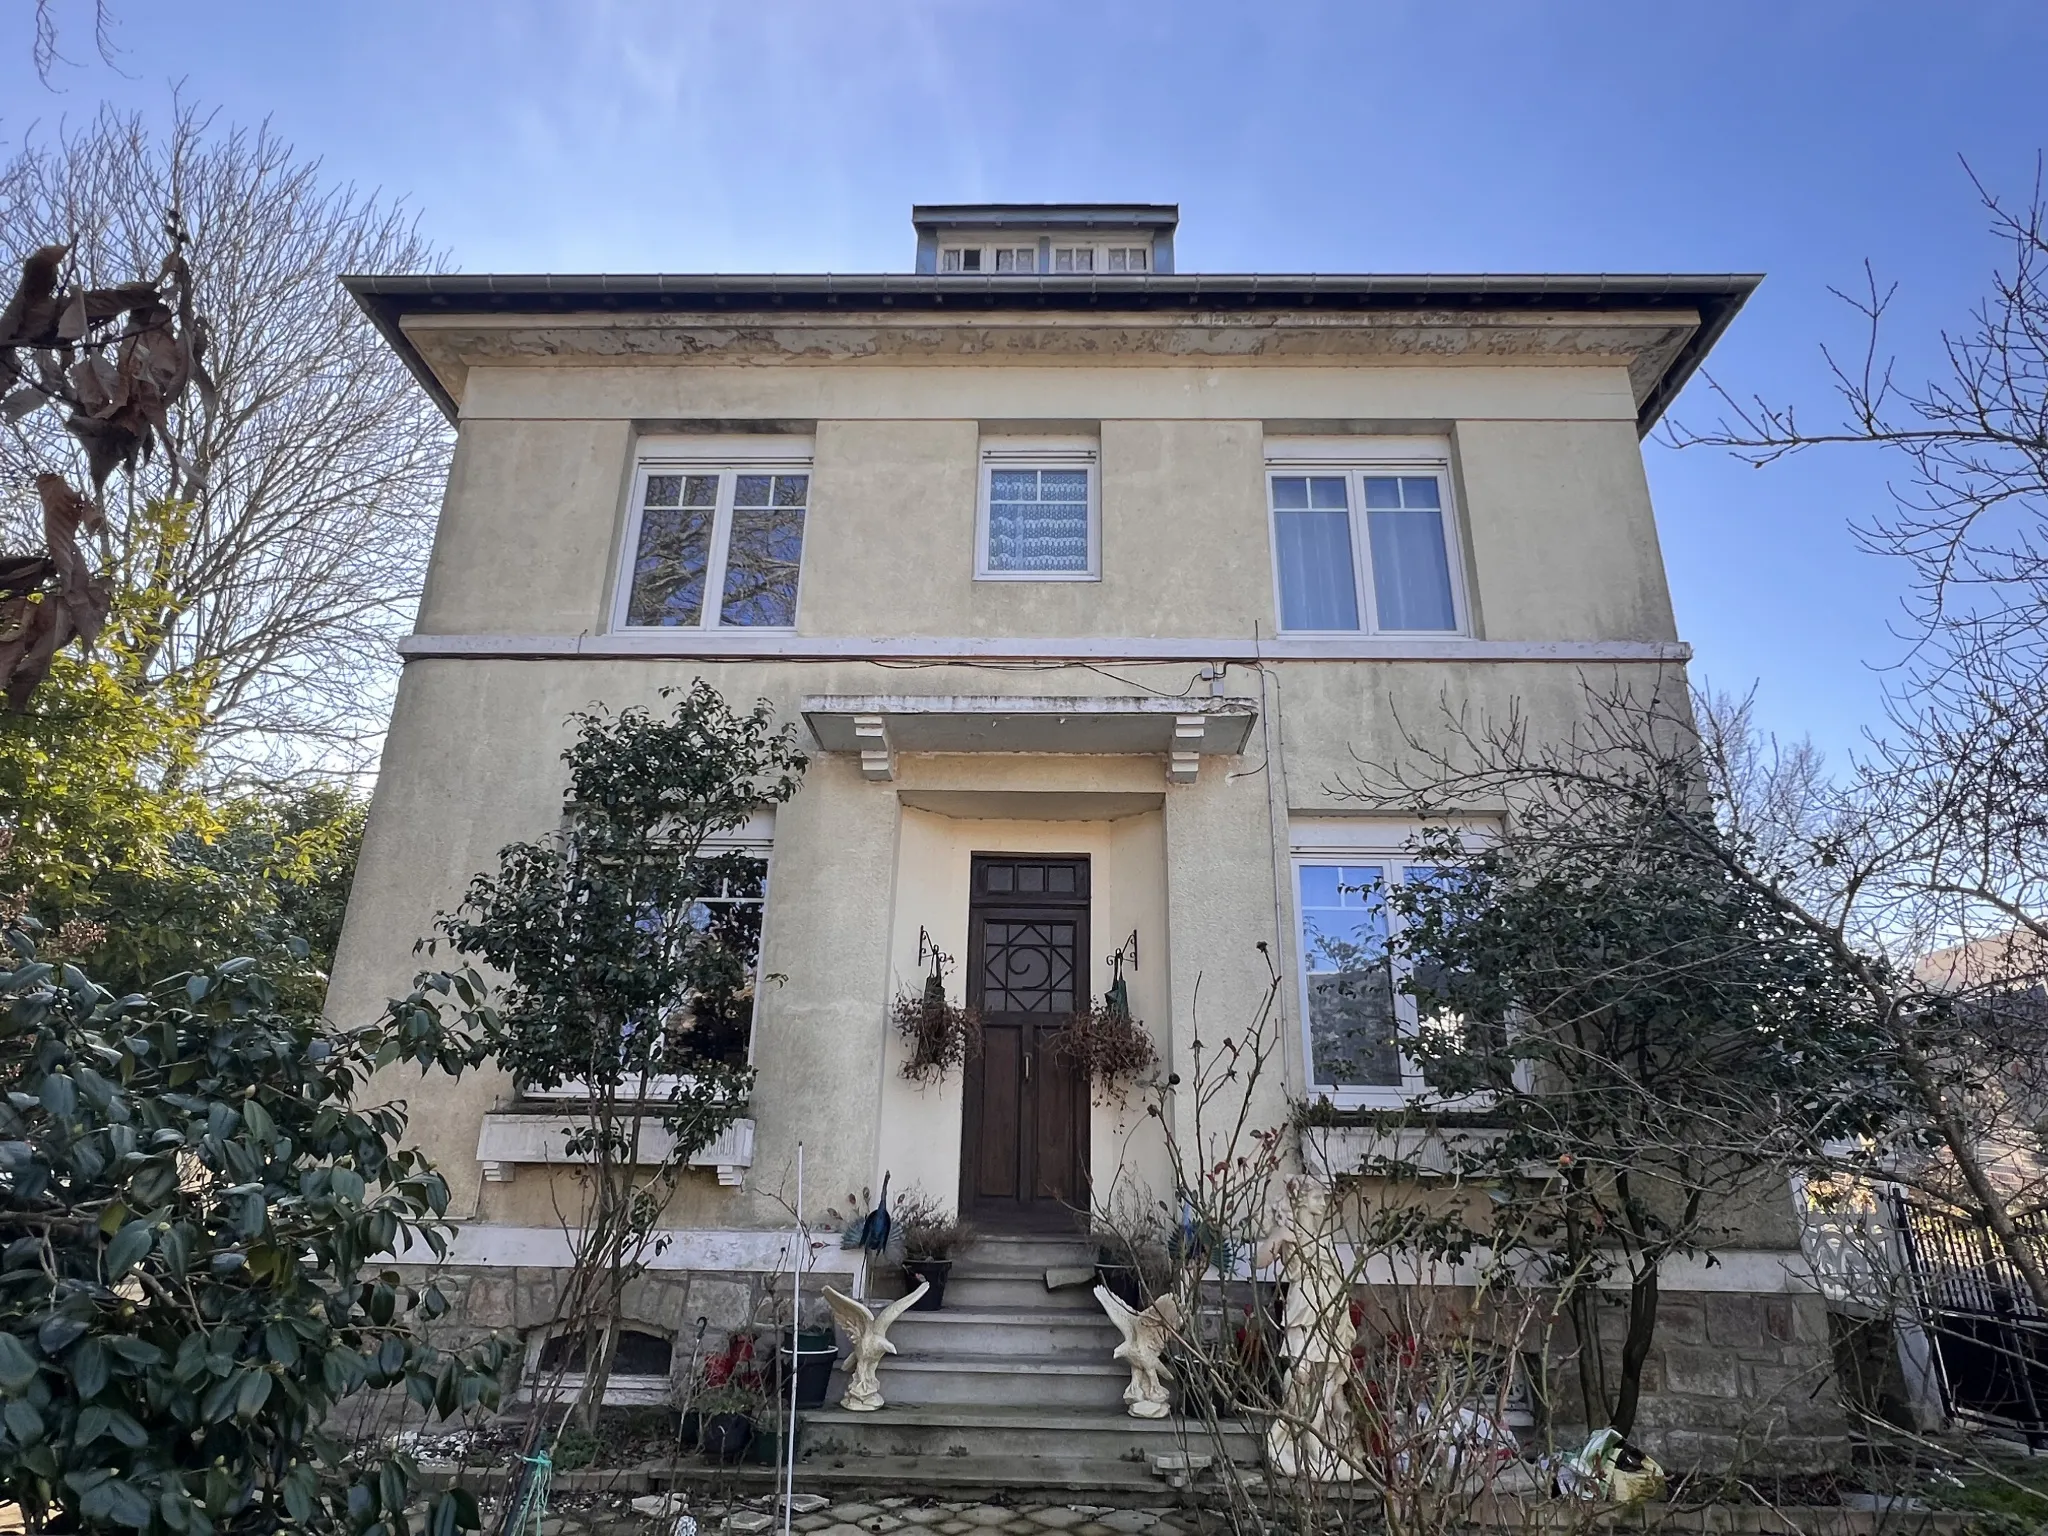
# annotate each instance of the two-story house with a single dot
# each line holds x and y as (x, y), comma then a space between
(1090, 580)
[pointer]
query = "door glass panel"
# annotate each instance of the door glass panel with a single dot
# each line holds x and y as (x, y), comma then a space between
(1027, 967)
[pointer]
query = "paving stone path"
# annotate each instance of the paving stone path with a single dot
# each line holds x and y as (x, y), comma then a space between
(875, 1517)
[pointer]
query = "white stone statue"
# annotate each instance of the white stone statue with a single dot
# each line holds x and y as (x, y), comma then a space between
(1144, 1349)
(1315, 1433)
(868, 1332)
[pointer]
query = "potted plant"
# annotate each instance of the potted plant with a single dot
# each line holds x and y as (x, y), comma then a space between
(726, 1422)
(930, 1235)
(727, 1401)
(937, 1035)
(1136, 1267)
(1109, 1045)
(816, 1351)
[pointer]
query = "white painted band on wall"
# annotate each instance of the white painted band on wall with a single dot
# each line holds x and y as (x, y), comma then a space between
(1744, 1271)
(681, 645)
(484, 1245)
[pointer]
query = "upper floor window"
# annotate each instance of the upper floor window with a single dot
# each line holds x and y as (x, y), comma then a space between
(1364, 543)
(1101, 258)
(715, 535)
(984, 258)
(1058, 256)
(1039, 516)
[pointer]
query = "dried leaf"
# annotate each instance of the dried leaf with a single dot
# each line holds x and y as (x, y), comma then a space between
(71, 324)
(31, 315)
(21, 402)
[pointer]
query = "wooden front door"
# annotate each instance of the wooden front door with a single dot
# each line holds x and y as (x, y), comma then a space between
(1024, 1155)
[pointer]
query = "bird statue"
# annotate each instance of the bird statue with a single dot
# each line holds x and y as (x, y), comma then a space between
(1146, 1335)
(867, 1334)
(874, 1232)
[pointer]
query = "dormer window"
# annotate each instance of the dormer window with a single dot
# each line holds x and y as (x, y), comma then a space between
(985, 258)
(1056, 256)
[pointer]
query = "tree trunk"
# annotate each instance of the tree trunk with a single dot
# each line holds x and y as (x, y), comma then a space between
(1585, 1315)
(1635, 1348)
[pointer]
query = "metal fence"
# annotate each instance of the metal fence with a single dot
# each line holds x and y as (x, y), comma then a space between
(1990, 1336)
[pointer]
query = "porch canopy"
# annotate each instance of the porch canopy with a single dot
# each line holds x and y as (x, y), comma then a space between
(1182, 731)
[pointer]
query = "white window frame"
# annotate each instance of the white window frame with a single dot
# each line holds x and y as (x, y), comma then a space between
(989, 259)
(1037, 453)
(728, 458)
(1355, 459)
(757, 837)
(1361, 840)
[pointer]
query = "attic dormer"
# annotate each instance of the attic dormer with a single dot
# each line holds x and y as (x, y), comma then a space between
(1045, 239)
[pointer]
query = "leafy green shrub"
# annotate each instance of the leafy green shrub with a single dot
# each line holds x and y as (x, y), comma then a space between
(193, 1194)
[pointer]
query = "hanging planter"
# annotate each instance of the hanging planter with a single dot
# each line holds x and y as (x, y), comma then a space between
(937, 1035)
(1114, 1049)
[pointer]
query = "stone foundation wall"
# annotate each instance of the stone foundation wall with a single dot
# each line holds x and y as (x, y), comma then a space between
(483, 1301)
(1733, 1380)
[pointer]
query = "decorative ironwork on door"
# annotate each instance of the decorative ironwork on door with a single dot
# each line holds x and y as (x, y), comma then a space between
(1028, 967)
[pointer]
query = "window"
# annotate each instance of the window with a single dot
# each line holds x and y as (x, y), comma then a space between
(1365, 546)
(1001, 258)
(713, 544)
(1073, 258)
(1128, 258)
(1353, 1016)
(1038, 517)
(720, 1027)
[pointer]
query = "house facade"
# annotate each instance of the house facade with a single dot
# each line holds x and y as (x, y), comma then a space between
(1091, 584)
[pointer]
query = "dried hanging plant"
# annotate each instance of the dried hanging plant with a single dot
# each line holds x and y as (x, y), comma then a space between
(1113, 1048)
(938, 1035)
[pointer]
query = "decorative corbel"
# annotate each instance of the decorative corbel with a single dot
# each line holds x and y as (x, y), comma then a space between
(877, 758)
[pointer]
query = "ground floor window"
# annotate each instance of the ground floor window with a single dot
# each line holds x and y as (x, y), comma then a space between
(1354, 1016)
(714, 1022)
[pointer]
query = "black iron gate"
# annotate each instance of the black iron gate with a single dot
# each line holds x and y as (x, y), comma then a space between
(1990, 1338)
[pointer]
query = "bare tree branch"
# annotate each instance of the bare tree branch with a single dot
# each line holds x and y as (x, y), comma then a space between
(315, 476)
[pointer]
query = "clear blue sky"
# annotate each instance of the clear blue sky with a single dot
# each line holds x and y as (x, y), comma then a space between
(1791, 138)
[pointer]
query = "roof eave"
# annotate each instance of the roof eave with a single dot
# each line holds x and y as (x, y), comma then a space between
(1717, 298)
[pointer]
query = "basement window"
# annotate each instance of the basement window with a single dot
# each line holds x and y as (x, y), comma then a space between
(640, 1369)
(715, 534)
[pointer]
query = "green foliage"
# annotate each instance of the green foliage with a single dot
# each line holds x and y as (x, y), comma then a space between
(96, 769)
(1644, 1032)
(626, 971)
(264, 867)
(192, 1197)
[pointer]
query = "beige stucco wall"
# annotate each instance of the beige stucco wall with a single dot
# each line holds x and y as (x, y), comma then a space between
(1560, 538)
(472, 762)
(1560, 544)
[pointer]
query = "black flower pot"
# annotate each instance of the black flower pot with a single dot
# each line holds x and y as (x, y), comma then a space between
(691, 1427)
(816, 1351)
(726, 1436)
(934, 1270)
(1121, 1281)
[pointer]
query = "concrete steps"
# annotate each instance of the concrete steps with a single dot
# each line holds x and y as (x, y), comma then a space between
(1046, 1381)
(1009, 1385)
(1012, 1434)
(1036, 1333)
